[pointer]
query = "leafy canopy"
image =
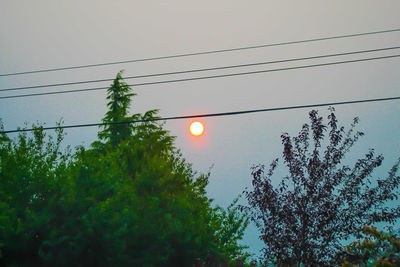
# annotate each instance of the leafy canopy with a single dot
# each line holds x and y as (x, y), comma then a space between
(377, 249)
(130, 199)
(320, 201)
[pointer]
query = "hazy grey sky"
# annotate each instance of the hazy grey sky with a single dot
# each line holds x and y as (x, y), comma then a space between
(47, 34)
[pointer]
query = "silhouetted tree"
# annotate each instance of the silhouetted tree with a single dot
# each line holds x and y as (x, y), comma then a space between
(320, 202)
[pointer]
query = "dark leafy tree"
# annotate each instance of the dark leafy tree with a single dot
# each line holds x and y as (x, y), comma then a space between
(321, 201)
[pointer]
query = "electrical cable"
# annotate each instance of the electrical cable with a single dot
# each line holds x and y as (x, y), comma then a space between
(202, 70)
(204, 77)
(208, 115)
(198, 53)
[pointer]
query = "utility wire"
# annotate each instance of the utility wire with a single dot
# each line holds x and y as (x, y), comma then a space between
(207, 115)
(199, 53)
(202, 70)
(204, 77)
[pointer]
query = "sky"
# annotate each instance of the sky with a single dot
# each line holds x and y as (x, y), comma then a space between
(50, 34)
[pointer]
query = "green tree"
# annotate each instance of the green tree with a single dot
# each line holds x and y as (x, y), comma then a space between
(32, 170)
(377, 249)
(119, 96)
(128, 200)
(230, 225)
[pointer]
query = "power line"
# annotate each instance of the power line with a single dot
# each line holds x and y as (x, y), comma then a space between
(202, 70)
(204, 77)
(208, 115)
(199, 53)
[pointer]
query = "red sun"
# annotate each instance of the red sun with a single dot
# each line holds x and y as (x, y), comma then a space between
(196, 128)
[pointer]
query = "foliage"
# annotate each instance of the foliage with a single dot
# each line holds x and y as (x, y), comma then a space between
(126, 201)
(230, 226)
(119, 97)
(321, 201)
(31, 173)
(377, 249)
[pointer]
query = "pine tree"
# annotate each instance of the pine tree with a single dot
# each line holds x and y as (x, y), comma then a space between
(119, 96)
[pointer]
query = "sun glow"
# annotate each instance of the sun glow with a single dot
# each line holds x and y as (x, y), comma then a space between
(196, 128)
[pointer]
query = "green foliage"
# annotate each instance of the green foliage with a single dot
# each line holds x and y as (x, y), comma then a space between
(230, 225)
(377, 249)
(128, 200)
(32, 171)
(119, 97)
